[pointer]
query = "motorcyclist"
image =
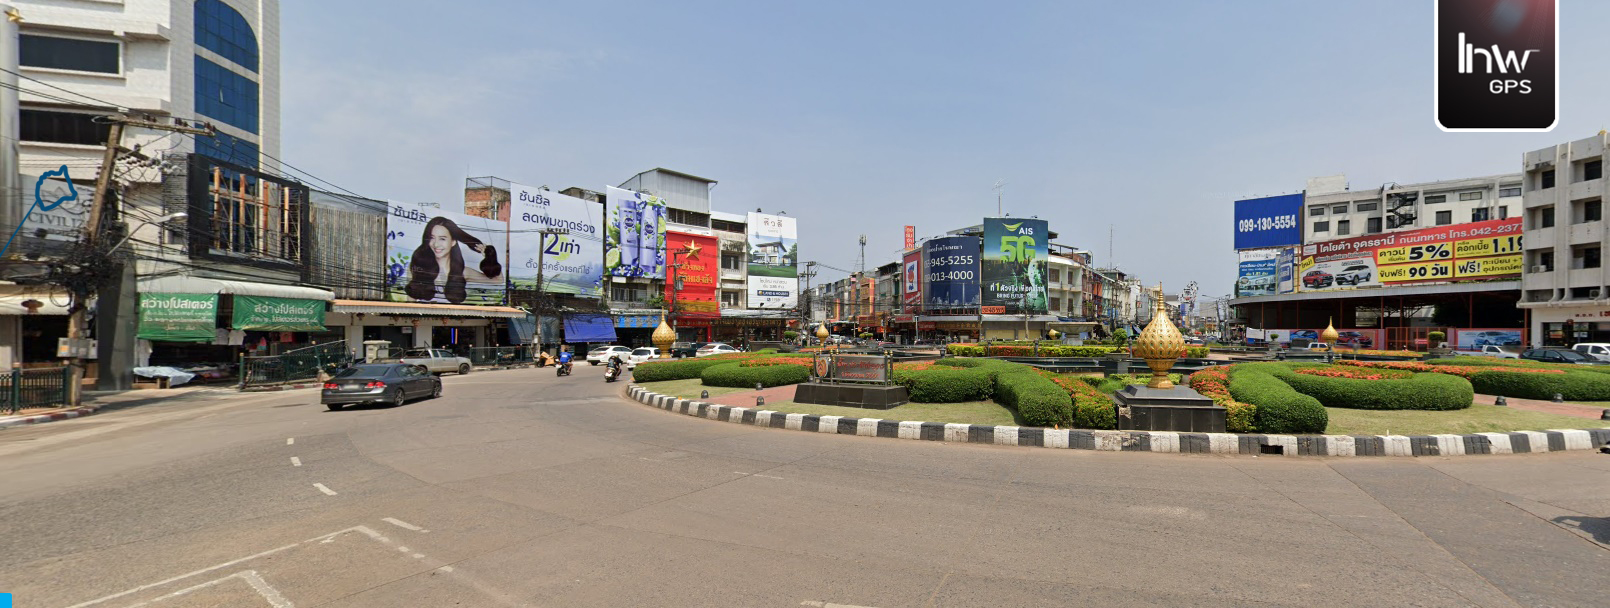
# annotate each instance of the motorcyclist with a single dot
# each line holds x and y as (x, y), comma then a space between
(616, 366)
(564, 362)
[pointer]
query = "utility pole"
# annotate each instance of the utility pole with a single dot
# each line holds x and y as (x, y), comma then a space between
(542, 293)
(1000, 185)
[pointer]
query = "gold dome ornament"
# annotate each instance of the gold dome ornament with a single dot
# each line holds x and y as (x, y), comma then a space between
(1160, 344)
(663, 335)
(1329, 336)
(821, 333)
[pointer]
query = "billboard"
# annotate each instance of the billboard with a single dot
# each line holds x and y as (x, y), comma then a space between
(911, 283)
(911, 238)
(950, 272)
(1471, 339)
(573, 262)
(1271, 221)
(444, 257)
(693, 274)
(1256, 274)
(1456, 253)
(1013, 266)
(773, 250)
(1286, 270)
(634, 243)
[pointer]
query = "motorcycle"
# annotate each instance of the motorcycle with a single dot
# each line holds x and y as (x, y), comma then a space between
(613, 373)
(563, 369)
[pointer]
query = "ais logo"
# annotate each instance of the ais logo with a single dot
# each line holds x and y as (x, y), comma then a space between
(1497, 65)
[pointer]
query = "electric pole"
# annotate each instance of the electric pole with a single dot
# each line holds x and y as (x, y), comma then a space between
(542, 295)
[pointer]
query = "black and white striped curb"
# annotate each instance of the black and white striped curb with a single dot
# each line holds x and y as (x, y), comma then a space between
(10, 421)
(1520, 442)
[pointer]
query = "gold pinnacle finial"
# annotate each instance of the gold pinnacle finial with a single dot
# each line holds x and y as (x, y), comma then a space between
(1160, 344)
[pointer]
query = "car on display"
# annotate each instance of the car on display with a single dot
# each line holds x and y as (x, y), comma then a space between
(1319, 346)
(1354, 338)
(647, 353)
(1561, 355)
(1318, 279)
(603, 353)
(390, 383)
(716, 348)
(1496, 338)
(1597, 350)
(438, 361)
(1354, 274)
(685, 349)
(1303, 334)
(1490, 351)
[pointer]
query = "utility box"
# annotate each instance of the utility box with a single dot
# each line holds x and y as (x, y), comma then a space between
(376, 350)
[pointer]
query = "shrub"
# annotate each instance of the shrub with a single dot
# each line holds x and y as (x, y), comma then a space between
(678, 369)
(1091, 410)
(1037, 400)
(790, 335)
(1436, 337)
(732, 374)
(1417, 392)
(1280, 408)
(948, 384)
(1214, 384)
(1572, 385)
(965, 350)
(765, 361)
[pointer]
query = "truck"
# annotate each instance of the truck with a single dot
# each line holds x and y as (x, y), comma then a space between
(1490, 350)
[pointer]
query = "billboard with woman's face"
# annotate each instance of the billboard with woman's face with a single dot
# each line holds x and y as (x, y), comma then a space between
(444, 257)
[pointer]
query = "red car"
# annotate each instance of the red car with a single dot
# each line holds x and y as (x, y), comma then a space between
(1318, 279)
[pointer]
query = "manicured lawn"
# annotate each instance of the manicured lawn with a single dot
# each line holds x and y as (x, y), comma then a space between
(687, 389)
(1476, 419)
(970, 412)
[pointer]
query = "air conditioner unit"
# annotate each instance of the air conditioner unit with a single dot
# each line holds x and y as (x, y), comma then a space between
(1593, 294)
(1540, 269)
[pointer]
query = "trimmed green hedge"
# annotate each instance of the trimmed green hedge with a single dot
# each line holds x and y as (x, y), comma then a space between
(731, 374)
(1281, 409)
(1037, 400)
(677, 369)
(954, 385)
(1094, 412)
(1572, 385)
(1417, 392)
(1024, 349)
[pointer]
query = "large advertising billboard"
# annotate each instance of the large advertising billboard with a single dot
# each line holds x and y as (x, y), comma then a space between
(773, 250)
(1257, 273)
(911, 282)
(950, 272)
(692, 275)
(1271, 221)
(572, 262)
(444, 257)
(1457, 253)
(1014, 264)
(634, 244)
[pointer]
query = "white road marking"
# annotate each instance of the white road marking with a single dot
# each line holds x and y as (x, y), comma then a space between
(184, 576)
(290, 441)
(829, 604)
(403, 524)
(323, 489)
(296, 462)
(419, 556)
(446, 568)
(250, 576)
(755, 475)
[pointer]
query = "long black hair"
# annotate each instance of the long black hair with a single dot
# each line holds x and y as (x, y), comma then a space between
(423, 269)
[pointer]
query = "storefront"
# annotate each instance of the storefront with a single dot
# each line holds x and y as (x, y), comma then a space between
(32, 321)
(455, 327)
(636, 330)
(204, 326)
(948, 328)
(739, 327)
(1567, 325)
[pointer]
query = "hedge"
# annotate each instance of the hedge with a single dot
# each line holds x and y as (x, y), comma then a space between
(1048, 350)
(1417, 392)
(1214, 383)
(676, 369)
(1572, 385)
(734, 374)
(942, 385)
(1037, 400)
(1280, 408)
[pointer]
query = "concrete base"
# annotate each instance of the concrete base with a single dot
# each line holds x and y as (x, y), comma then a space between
(1174, 409)
(872, 397)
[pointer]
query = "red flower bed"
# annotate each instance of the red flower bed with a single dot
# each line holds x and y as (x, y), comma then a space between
(915, 366)
(770, 361)
(1073, 385)
(1463, 371)
(1355, 374)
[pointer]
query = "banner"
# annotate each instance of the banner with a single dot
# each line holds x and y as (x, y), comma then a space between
(635, 243)
(1286, 270)
(950, 272)
(1469, 339)
(444, 257)
(773, 250)
(911, 238)
(1256, 274)
(573, 262)
(911, 296)
(693, 275)
(178, 317)
(1014, 265)
(1269, 222)
(277, 314)
(1456, 253)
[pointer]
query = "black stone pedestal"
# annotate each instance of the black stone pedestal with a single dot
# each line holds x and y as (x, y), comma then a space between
(1167, 409)
(875, 397)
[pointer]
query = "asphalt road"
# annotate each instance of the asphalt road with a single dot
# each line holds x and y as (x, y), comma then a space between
(519, 488)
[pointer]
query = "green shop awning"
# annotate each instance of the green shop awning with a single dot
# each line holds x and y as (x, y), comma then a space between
(277, 314)
(178, 317)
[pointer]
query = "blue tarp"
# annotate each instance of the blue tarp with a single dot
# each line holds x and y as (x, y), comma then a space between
(589, 328)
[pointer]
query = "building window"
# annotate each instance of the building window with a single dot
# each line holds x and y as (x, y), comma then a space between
(76, 54)
(1592, 170)
(1508, 192)
(1545, 180)
(1479, 214)
(1584, 257)
(629, 293)
(726, 226)
(253, 216)
(229, 149)
(226, 96)
(62, 128)
(1339, 209)
(1470, 196)
(1321, 226)
(1503, 212)
(729, 299)
(1545, 217)
(1362, 207)
(1592, 211)
(1436, 198)
(690, 218)
(1444, 218)
(731, 261)
(1372, 225)
(224, 31)
(1056, 276)
(1342, 227)
(1544, 260)
(1316, 211)
(1056, 304)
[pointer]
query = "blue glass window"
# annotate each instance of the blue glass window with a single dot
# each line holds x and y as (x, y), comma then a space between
(226, 96)
(222, 30)
(229, 149)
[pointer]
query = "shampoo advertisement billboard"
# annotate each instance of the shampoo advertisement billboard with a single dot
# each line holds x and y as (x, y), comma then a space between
(1457, 253)
(444, 257)
(1272, 221)
(950, 273)
(634, 243)
(572, 262)
(911, 282)
(1014, 264)
(773, 250)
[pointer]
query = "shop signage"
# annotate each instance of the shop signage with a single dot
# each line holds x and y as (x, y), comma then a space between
(1014, 265)
(178, 317)
(634, 245)
(1257, 273)
(572, 262)
(1461, 252)
(692, 275)
(277, 314)
(773, 250)
(911, 282)
(851, 368)
(637, 321)
(950, 272)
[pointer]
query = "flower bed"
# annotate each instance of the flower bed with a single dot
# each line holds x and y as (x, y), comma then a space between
(1463, 371)
(914, 366)
(1022, 349)
(1214, 383)
(802, 361)
(1342, 372)
(1527, 379)
(1091, 408)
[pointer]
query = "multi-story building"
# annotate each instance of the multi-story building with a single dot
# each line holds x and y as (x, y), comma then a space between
(1343, 213)
(1566, 281)
(731, 230)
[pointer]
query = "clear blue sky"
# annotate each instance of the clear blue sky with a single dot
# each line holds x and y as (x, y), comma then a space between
(859, 117)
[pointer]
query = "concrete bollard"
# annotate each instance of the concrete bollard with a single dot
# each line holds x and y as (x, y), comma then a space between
(1500, 401)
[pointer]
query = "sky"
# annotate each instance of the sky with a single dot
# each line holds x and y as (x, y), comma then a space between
(1144, 121)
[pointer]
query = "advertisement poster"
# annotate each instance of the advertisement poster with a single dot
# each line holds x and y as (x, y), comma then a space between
(1456, 253)
(1345, 338)
(773, 250)
(1256, 274)
(911, 283)
(1470, 339)
(692, 275)
(573, 262)
(1269, 222)
(178, 317)
(1286, 270)
(950, 273)
(634, 245)
(444, 257)
(1014, 265)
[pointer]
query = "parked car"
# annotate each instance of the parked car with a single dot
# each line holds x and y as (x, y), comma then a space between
(1597, 350)
(1318, 279)
(716, 348)
(437, 360)
(1560, 355)
(603, 353)
(1319, 346)
(1193, 341)
(1490, 351)
(1354, 338)
(1354, 274)
(647, 353)
(686, 349)
(393, 383)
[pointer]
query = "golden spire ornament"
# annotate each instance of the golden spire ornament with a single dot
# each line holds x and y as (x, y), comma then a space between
(1329, 336)
(663, 336)
(1160, 344)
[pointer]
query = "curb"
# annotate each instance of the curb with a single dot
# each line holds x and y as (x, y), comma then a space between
(51, 417)
(1519, 442)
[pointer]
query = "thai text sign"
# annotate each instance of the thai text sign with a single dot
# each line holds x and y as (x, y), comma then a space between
(178, 317)
(690, 278)
(950, 272)
(1460, 252)
(773, 251)
(572, 262)
(1016, 253)
(277, 314)
(860, 368)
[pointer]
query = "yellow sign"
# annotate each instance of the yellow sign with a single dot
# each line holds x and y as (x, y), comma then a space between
(1413, 253)
(1509, 264)
(1424, 271)
(1307, 263)
(1477, 248)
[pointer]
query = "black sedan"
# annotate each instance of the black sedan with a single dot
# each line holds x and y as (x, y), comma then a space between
(1560, 355)
(392, 383)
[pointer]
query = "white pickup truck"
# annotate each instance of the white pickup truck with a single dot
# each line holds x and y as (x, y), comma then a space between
(1489, 351)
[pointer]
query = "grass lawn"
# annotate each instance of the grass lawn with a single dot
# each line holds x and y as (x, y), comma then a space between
(687, 389)
(969, 412)
(1475, 419)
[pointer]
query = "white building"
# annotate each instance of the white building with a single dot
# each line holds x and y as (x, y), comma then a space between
(1331, 211)
(1564, 285)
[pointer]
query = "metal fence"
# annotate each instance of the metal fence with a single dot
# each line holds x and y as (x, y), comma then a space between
(299, 364)
(501, 355)
(35, 388)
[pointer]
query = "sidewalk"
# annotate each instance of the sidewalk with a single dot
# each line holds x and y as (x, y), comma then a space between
(1578, 410)
(98, 400)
